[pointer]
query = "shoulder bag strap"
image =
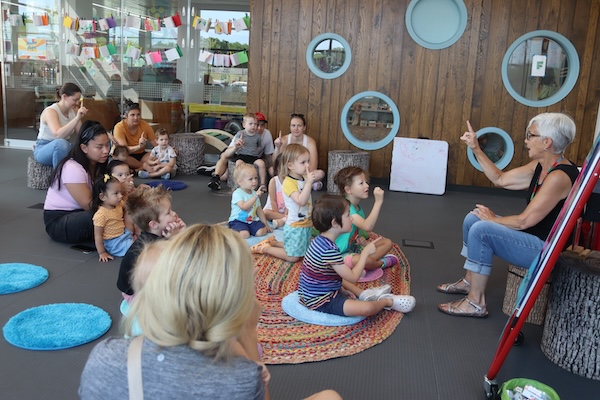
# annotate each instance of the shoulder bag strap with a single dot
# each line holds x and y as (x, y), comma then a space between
(134, 368)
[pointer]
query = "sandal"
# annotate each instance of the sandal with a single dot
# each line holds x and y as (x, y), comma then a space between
(259, 248)
(454, 288)
(453, 308)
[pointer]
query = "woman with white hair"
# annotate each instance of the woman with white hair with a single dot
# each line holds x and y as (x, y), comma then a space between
(517, 239)
(198, 314)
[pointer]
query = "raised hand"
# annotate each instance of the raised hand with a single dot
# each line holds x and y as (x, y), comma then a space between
(378, 193)
(470, 137)
(82, 111)
(277, 141)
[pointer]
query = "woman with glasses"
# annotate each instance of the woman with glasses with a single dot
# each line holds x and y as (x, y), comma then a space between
(67, 213)
(298, 135)
(133, 133)
(57, 123)
(518, 239)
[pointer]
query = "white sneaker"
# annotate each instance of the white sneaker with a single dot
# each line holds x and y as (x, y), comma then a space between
(374, 293)
(403, 304)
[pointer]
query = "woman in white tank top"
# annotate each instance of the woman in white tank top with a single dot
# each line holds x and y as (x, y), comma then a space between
(57, 123)
(298, 135)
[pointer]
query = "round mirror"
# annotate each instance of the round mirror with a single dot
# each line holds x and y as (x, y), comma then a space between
(496, 144)
(370, 120)
(436, 24)
(328, 55)
(540, 68)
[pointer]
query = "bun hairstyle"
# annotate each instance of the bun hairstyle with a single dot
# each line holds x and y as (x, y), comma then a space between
(68, 89)
(129, 106)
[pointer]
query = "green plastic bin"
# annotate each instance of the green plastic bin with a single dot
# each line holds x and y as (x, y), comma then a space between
(513, 383)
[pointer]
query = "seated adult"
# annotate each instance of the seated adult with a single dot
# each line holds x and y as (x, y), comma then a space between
(67, 213)
(198, 314)
(518, 239)
(298, 135)
(265, 148)
(57, 123)
(133, 133)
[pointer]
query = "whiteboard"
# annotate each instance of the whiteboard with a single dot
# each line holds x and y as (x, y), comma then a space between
(419, 166)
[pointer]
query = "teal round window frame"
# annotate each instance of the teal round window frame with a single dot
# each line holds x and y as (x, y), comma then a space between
(361, 144)
(572, 75)
(423, 22)
(509, 148)
(311, 62)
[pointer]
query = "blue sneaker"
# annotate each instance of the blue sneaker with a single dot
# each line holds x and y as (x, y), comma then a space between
(143, 174)
(389, 260)
(166, 176)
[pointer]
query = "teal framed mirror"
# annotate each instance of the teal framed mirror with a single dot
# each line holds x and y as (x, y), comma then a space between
(436, 24)
(370, 120)
(328, 55)
(540, 68)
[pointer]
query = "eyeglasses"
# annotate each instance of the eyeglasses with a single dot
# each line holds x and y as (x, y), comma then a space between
(529, 135)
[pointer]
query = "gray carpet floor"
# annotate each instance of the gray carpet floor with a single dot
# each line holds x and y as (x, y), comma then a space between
(429, 356)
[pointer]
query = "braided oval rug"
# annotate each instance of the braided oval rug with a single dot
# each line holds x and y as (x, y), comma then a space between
(285, 340)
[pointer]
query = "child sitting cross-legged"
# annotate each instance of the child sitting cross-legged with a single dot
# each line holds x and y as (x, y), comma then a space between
(150, 209)
(326, 283)
(162, 159)
(353, 182)
(113, 233)
(247, 216)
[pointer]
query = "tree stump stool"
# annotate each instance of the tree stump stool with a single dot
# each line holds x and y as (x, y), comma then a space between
(190, 152)
(571, 337)
(38, 175)
(515, 276)
(338, 159)
(231, 167)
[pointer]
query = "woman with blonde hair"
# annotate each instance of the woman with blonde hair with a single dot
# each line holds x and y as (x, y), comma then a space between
(198, 316)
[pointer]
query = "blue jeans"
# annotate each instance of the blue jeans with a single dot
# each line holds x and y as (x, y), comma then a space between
(484, 239)
(51, 152)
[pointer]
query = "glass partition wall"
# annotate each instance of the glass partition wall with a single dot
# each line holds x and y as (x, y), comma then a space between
(177, 59)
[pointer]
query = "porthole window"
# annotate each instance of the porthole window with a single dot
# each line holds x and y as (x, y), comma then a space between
(436, 24)
(496, 144)
(370, 120)
(328, 55)
(540, 68)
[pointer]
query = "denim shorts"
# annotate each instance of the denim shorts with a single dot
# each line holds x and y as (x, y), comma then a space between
(252, 227)
(334, 306)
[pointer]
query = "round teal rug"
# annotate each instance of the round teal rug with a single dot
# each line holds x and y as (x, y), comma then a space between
(16, 277)
(56, 326)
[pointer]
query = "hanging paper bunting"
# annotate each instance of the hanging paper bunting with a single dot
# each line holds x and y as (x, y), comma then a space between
(103, 24)
(220, 27)
(45, 19)
(73, 49)
(173, 54)
(148, 59)
(156, 57)
(87, 25)
(206, 56)
(169, 23)
(204, 24)
(239, 58)
(228, 31)
(177, 20)
(111, 22)
(240, 25)
(112, 50)
(67, 22)
(37, 20)
(104, 51)
(133, 52)
(132, 21)
(148, 25)
(195, 22)
(88, 52)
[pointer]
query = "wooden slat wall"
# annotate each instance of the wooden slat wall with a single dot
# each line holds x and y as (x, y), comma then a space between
(435, 90)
